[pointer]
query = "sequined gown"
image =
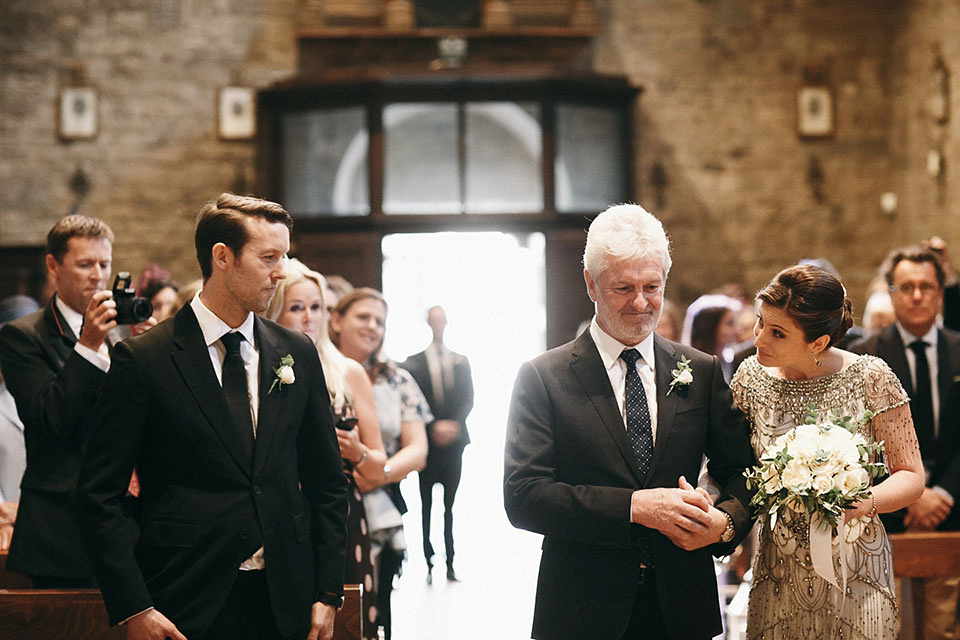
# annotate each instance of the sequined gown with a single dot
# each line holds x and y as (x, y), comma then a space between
(788, 600)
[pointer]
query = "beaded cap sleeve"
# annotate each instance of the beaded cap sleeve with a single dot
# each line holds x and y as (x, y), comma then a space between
(788, 600)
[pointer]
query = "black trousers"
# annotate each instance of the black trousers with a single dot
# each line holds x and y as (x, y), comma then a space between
(646, 621)
(390, 561)
(443, 468)
(247, 614)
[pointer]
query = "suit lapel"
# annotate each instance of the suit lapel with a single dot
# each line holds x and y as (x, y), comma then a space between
(272, 406)
(192, 360)
(665, 359)
(891, 350)
(585, 364)
(63, 339)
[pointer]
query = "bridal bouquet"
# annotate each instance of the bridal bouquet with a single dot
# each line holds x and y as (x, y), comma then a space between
(819, 468)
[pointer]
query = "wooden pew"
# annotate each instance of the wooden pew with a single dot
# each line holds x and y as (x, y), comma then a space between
(79, 614)
(916, 556)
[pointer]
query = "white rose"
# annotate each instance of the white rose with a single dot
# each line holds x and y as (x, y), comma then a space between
(285, 373)
(853, 479)
(685, 377)
(822, 483)
(796, 477)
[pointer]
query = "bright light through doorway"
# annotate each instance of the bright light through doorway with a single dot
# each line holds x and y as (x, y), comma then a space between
(491, 285)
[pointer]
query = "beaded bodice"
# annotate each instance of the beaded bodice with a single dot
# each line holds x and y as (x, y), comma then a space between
(788, 599)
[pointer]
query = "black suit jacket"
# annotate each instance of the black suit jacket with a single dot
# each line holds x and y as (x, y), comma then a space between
(457, 398)
(207, 503)
(570, 474)
(945, 470)
(55, 389)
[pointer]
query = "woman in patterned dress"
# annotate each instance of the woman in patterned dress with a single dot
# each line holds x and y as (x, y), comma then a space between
(357, 326)
(298, 304)
(802, 314)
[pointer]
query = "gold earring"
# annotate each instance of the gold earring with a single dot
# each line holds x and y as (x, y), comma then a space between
(819, 363)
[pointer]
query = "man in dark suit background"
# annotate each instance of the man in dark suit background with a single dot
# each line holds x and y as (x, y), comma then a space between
(53, 362)
(444, 377)
(602, 434)
(926, 359)
(226, 417)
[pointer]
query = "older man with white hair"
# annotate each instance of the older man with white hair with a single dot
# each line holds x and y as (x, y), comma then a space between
(602, 435)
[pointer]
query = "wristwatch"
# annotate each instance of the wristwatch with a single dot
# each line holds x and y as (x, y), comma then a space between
(729, 531)
(331, 599)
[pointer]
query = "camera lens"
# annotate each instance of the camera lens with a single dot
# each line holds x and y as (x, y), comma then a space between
(141, 310)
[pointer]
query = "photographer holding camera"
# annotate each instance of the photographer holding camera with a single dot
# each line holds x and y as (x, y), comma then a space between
(53, 361)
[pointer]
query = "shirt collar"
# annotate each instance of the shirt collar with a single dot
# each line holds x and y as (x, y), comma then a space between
(610, 348)
(213, 327)
(73, 318)
(930, 337)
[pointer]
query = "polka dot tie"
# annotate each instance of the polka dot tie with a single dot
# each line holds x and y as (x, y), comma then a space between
(639, 428)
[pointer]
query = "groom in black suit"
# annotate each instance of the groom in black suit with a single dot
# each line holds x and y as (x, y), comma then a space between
(602, 436)
(226, 418)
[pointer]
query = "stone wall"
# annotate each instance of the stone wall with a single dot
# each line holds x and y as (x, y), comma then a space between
(719, 158)
(157, 66)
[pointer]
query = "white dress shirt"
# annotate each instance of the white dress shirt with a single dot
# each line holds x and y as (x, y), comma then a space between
(610, 349)
(930, 337)
(213, 328)
(99, 359)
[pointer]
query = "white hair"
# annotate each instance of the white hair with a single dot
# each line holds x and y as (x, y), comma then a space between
(623, 232)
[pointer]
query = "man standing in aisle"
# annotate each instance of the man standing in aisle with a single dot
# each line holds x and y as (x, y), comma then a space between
(444, 377)
(926, 359)
(601, 436)
(227, 419)
(53, 362)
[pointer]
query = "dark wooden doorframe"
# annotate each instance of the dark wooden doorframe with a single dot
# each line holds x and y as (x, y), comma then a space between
(357, 256)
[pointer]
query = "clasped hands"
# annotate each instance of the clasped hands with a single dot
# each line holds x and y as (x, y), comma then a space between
(685, 515)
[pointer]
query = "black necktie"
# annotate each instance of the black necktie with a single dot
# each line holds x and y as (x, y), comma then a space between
(235, 387)
(640, 434)
(922, 401)
(639, 428)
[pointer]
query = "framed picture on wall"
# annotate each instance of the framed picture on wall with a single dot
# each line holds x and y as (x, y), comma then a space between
(815, 111)
(77, 113)
(236, 113)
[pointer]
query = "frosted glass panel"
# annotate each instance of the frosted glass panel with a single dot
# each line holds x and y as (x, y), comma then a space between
(503, 150)
(590, 168)
(421, 169)
(325, 162)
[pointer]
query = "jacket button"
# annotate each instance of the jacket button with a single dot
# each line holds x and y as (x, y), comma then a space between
(256, 490)
(244, 534)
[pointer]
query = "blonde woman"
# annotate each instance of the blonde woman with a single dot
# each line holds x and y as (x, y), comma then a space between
(298, 304)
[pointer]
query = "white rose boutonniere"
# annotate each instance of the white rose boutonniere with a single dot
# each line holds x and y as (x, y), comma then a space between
(682, 375)
(284, 373)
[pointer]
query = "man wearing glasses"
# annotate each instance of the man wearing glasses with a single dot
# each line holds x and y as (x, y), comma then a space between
(926, 359)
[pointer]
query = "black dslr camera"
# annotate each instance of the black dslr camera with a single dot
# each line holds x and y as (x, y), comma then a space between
(130, 308)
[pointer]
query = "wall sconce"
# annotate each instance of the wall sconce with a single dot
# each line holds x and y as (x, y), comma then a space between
(815, 179)
(938, 102)
(888, 203)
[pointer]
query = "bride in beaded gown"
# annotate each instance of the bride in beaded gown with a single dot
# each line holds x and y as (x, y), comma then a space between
(802, 312)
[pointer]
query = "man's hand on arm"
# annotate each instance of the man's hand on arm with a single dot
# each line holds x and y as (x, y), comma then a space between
(321, 621)
(152, 625)
(928, 512)
(98, 319)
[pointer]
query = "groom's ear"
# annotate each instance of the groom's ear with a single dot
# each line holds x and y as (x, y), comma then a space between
(221, 256)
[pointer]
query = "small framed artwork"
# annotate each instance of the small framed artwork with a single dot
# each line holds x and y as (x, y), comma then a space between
(77, 113)
(236, 113)
(814, 112)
